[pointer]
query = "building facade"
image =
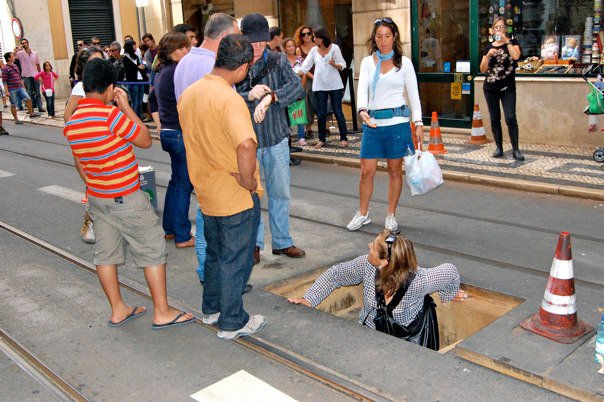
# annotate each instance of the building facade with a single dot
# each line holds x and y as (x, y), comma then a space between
(444, 39)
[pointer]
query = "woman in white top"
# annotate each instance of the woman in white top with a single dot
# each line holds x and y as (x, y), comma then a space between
(383, 78)
(328, 61)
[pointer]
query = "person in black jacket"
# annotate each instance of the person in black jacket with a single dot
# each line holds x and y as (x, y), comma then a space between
(135, 73)
(80, 45)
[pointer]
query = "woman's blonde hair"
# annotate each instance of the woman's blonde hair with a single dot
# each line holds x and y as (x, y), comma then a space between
(402, 262)
(495, 21)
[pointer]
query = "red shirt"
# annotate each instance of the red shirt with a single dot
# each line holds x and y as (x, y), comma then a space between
(100, 137)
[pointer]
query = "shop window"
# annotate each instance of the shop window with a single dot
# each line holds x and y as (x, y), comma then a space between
(556, 36)
(197, 13)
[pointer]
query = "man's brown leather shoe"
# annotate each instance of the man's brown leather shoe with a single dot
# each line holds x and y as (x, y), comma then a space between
(292, 252)
(256, 255)
(188, 243)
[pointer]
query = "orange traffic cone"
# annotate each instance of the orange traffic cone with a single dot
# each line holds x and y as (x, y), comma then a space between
(557, 318)
(478, 135)
(436, 145)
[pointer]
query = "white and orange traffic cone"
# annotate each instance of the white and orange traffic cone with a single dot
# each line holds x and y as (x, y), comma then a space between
(436, 145)
(477, 136)
(557, 318)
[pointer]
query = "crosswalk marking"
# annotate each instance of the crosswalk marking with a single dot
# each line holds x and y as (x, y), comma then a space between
(63, 192)
(241, 387)
(4, 173)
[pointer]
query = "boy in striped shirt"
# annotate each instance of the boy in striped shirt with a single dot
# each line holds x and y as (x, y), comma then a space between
(101, 139)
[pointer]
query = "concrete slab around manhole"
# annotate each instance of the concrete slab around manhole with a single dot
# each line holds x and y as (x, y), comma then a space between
(456, 321)
(563, 368)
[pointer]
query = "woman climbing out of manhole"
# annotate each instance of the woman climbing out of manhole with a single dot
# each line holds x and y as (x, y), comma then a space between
(396, 291)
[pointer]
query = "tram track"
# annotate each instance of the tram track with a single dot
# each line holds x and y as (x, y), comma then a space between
(59, 387)
(37, 370)
(349, 196)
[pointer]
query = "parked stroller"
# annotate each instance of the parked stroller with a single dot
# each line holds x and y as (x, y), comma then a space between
(595, 107)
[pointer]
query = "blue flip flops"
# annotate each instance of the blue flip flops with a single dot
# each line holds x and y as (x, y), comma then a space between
(130, 316)
(174, 322)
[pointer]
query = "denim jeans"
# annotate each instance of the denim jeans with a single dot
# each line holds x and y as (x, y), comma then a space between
(336, 105)
(508, 101)
(50, 104)
(178, 195)
(136, 95)
(33, 90)
(274, 166)
(200, 244)
(301, 132)
(228, 266)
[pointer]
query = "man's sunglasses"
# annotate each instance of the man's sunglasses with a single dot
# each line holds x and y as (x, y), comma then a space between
(385, 20)
(390, 239)
(303, 34)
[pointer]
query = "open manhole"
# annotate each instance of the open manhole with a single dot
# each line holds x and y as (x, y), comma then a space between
(456, 321)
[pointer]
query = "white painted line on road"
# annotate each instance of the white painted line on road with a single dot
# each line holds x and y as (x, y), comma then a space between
(4, 173)
(241, 387)
(63, 192)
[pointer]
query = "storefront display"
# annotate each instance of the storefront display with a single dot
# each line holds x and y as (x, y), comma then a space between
(556, 36)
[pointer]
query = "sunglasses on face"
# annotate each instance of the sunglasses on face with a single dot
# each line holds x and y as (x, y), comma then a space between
(385, 20)
(303, 34)
(389, 240)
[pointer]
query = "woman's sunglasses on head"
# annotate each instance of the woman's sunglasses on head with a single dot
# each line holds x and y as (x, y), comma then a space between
(385, 20)
(389, 240)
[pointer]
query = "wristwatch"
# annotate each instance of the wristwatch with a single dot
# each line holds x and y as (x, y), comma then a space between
(418, 123)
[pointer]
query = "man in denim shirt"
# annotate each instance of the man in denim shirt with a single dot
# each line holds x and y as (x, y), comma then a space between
(267, 102)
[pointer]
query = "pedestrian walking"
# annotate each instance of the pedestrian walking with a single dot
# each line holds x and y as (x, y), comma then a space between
(384, 78)
(499, 62)
(47, 79)
(15, 87)
(327, 59)
(135, 76)
(30, 66)
(101, 139)
(193, 67)
(221, 153)
(172, 48)
(269, 89)
(304, 42)
(390, 271)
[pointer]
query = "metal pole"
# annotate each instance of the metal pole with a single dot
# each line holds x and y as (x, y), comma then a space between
(353, 103)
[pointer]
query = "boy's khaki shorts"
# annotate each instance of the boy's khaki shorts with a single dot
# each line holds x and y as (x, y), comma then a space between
(127, 221)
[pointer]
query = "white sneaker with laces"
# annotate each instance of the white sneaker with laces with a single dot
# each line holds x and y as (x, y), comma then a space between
(391, 223)
(357, 221)
(210, 319)
(254, 324)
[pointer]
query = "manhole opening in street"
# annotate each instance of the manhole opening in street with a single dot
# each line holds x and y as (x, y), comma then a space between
(456, 321)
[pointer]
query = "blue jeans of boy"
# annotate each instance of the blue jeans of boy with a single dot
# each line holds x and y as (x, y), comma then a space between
(274, 166)
(178, 195)
(229, 263)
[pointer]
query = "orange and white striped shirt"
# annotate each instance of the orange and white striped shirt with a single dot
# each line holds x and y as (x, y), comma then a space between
(100, 137)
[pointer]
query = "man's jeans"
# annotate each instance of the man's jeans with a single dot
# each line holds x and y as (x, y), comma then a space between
(178, 195)
(228, 266)
(274, 166)
(200, 244)
(33, 89)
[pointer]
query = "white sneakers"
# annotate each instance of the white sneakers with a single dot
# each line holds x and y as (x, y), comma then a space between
(210, 319)
(358, 221)
(254, 324)
(391, 223)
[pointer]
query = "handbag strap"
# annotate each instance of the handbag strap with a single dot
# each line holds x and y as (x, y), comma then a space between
(398, 296)
(270, 61)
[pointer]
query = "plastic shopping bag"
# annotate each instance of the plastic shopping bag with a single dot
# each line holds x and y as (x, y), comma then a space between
(422, 172)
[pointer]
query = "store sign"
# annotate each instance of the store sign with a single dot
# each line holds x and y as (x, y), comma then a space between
(17, 28)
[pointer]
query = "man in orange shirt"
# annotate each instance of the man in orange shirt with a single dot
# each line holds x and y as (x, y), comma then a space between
(221, 157)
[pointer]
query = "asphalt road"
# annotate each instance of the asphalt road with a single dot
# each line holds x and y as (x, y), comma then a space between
(502, 240)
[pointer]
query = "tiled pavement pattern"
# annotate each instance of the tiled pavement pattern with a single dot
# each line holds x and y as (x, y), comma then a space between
(557, 165)
(545, 164)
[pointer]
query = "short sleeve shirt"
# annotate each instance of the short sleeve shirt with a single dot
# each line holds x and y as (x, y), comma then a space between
(100, 137)
(28, 63)
(11, 77)
(215, 125)
(501, 72)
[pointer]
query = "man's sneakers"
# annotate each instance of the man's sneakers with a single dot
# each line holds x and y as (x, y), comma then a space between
(254, 324)
(391, 223)
(358, 221)
(210, 319)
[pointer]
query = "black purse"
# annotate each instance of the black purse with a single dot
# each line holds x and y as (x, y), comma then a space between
(422, 331)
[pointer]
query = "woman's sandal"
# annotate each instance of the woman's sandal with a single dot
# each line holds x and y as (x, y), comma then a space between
(319, 145)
